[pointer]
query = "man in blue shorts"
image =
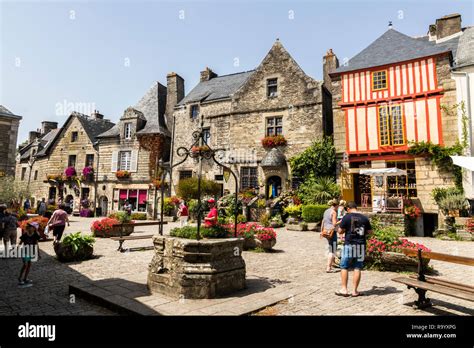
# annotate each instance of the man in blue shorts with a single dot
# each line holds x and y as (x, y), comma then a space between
(355, 227)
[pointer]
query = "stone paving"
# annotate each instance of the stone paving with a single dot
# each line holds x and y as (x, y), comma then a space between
(295, 270)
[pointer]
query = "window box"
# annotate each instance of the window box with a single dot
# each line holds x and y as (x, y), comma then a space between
(123, 174)
(273, 141)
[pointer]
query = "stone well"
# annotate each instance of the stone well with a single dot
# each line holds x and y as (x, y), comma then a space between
(186, 268)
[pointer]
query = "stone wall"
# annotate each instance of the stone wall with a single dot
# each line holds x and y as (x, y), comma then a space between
(9, 130)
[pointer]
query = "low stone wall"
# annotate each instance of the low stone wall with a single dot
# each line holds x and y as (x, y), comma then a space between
(184, 268)
(390, 220)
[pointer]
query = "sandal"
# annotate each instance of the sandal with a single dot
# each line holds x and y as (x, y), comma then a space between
(338, 293)
(358, 294)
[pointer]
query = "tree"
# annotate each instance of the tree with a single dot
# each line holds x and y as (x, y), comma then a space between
(11, 191)
(317, 160)
(188, 188)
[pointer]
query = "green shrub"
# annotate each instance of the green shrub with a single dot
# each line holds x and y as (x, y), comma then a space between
(139, 216)
(453, 202)
(440, 193)
(318, 190)
(190, 232)
(188, 188)
(121, 216)
(313, 212)
(265, 220)
(168, 207)
(77, 241)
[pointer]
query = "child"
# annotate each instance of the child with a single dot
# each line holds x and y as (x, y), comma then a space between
(30, 239)
(183, 214)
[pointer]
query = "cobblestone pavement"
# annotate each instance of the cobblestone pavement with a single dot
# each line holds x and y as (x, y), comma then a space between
(298, 261)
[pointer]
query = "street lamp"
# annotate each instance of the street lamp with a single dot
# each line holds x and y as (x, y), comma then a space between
(96, 183)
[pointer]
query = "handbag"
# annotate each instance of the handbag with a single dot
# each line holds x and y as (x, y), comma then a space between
(328, 234)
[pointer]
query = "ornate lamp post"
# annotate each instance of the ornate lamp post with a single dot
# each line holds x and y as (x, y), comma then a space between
(199, 150)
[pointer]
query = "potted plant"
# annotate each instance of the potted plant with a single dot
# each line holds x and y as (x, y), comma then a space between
(123, 174)
(276, 221)
(203, 150)
(273, 141)
(265, 238)
(75, 247)
(294, 212)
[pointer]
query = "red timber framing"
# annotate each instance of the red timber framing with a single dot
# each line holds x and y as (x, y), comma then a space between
(411, 84)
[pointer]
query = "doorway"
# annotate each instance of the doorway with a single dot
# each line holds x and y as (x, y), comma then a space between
(273, 188)
(103, 205)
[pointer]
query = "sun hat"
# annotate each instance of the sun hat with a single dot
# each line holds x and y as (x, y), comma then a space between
(34, 224)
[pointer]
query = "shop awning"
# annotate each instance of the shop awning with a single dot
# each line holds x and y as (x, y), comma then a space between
(464, 162)
(383, 172)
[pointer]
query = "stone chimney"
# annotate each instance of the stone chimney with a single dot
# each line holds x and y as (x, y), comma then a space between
(47, 126)
(32, 136)
(330, 63)
(174, 94)
(97, 115)
(207, 74)
(447, 26)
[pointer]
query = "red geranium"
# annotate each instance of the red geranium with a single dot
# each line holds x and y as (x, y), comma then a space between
(104, 225)
(274, 141)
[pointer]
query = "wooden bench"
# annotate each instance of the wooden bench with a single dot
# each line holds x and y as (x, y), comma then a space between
(421, 283)
(121, 240)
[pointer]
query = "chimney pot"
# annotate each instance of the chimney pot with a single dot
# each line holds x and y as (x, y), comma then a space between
(207, 74)
(447, 25)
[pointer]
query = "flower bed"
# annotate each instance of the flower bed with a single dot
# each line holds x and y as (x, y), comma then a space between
(110, 227)
(255, 235)
(274, 141)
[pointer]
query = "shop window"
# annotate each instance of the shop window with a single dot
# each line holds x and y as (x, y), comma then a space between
(137, 199)
(402, 185)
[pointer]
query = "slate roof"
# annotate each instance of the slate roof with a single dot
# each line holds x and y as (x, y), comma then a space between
(7, 113)
(393, 47)
(219, 87)
(93, 126)
(465, 49)
(274, 158)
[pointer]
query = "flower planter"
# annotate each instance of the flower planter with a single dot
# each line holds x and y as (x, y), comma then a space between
(396, 262)
(276, 224)
(66, 254)
(313, 226)
(265, 244)
(296, 227)
(250, 243)
(116, 231)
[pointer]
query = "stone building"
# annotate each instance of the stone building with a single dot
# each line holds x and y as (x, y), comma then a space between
(126, 169)
(43, 161)
(9, 124)
(389, 95)
(238, 110)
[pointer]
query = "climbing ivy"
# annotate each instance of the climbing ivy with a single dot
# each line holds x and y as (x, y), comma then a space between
(440, 155)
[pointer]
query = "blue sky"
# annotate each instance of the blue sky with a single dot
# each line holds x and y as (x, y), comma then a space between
(107, 54)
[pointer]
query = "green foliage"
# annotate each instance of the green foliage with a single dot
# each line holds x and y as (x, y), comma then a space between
(188, 188)
(138, 216)
(453, 202)
(168, 207)
(77, 241)
(440, 193)
(313, 212)
(319, 190)
(190, 232)
(227, 205)
(317, 160)
(261, 203)
(440, 156)
(277, 221)
(11, 191)
(122, 217)
(293, 210)
(265, 220)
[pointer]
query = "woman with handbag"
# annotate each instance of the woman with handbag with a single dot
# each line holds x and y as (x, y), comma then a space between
(328, 226)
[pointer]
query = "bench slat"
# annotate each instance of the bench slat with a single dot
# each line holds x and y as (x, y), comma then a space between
(131, 237)
(442, 289)
(446, 283)
(463, 260)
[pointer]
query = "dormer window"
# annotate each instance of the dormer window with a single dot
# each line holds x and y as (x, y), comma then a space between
(272, 88)
(74, 136)
(127, 134)
(194, 112)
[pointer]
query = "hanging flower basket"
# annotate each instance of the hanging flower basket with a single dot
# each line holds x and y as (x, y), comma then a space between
(70, 172)
(123, 174)
(273, 141)
(203, 151)
(87, 174)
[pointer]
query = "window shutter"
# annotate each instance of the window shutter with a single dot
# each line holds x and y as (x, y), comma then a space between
(134, 161)
(115, 156)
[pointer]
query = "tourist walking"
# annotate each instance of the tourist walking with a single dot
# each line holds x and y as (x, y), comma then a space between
(27, 205)
(41, 210)
(183, 213)
(355, 227)
(328, 226)
(10, 234)
(30, 240)
(211, 218)
(57, 223)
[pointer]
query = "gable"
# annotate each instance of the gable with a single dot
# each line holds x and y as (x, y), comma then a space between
(293, 85)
